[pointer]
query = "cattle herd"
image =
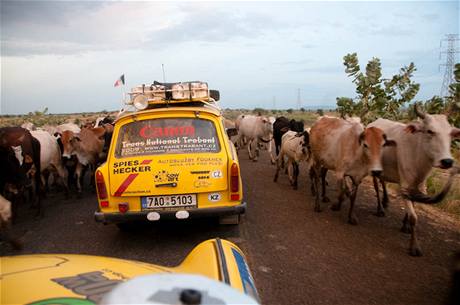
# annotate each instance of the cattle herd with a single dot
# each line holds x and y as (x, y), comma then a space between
(385, 150)
(30, 158)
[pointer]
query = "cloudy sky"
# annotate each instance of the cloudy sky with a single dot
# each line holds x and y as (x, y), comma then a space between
(66, 55)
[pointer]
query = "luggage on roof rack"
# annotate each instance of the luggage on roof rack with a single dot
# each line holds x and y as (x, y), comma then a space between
(173, 92)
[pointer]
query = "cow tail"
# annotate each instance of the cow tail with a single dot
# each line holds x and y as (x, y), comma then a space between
(420, 197)
(265, 141)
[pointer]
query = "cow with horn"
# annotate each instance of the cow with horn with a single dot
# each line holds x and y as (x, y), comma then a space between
(421, 145)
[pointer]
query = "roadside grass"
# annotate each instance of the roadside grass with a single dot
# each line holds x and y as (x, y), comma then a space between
(41, 119)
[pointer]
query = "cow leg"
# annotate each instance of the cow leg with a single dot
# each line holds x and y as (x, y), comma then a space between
(78, 175)
(279, 165)
(45, 176)
(295, 173)
(277, 172)
(272, 158)
(341, 189)
(414, 247)
(352, 219)
(256, 151)
(249, 150)
(405, 227)
(385, 194)
(312, 182)
(316, 173)
(290, 171)
(323, 184)
(380, 212)
(63, 174)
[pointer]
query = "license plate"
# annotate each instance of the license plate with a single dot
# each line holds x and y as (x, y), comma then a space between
(170, 201)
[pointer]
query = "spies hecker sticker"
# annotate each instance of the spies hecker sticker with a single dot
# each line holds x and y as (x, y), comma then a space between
(131, 167)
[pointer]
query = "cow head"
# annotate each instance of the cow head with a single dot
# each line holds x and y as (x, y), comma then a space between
(304, 143)
(266, 126)
(70, 141)
(296, 125)
(436, 135)
(12, 136)
(372, 140)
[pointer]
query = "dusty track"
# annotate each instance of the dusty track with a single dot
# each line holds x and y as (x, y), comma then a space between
(297, 256)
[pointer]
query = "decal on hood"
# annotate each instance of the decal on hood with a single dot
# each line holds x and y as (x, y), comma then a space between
(92, 285)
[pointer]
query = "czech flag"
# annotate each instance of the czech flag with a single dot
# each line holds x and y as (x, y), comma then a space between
(120, 81)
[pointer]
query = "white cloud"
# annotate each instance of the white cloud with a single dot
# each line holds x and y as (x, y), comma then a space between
(68, 54)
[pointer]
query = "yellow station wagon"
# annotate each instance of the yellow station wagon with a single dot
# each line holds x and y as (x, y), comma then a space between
(171, 158)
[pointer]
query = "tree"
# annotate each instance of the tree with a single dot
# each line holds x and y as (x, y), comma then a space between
(453, 100)
(345, 106)
(377, 97)
(450, 105)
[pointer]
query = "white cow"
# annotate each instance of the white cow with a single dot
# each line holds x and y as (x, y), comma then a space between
(421, 146)
(57, 130)
(68, 126)
(50, 155)
(28, 126)
(255, 129)
(295, 146)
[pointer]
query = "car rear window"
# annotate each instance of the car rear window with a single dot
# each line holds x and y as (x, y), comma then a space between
(167, 136)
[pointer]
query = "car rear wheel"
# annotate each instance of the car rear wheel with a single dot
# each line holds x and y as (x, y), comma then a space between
(229, 220)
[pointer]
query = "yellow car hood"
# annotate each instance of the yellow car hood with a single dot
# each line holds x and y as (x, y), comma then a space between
(83, 279)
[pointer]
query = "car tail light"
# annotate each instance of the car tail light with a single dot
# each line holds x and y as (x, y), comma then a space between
(123, 207)
(100, 185)
(234, 178)
(235, 197)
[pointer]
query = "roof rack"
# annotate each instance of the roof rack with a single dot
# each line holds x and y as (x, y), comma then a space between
(143, 96)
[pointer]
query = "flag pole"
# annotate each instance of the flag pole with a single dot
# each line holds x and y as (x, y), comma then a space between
(123, 89)
(164, 77)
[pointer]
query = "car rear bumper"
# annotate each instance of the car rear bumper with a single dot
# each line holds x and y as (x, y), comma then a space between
(107, 218)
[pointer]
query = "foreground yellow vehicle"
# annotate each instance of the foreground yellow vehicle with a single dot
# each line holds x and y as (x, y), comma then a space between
(171, 158)
(45, 279)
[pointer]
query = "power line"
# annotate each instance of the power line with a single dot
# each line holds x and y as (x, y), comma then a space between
(299, 101)
(451, 52)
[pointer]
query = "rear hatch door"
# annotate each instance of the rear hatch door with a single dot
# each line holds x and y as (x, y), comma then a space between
(169, 155)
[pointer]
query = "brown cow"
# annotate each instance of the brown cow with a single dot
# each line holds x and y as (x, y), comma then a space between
(28, 156)
(87, 146)
(351, 151)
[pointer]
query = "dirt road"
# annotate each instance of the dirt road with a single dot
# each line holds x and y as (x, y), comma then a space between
(297, 256)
